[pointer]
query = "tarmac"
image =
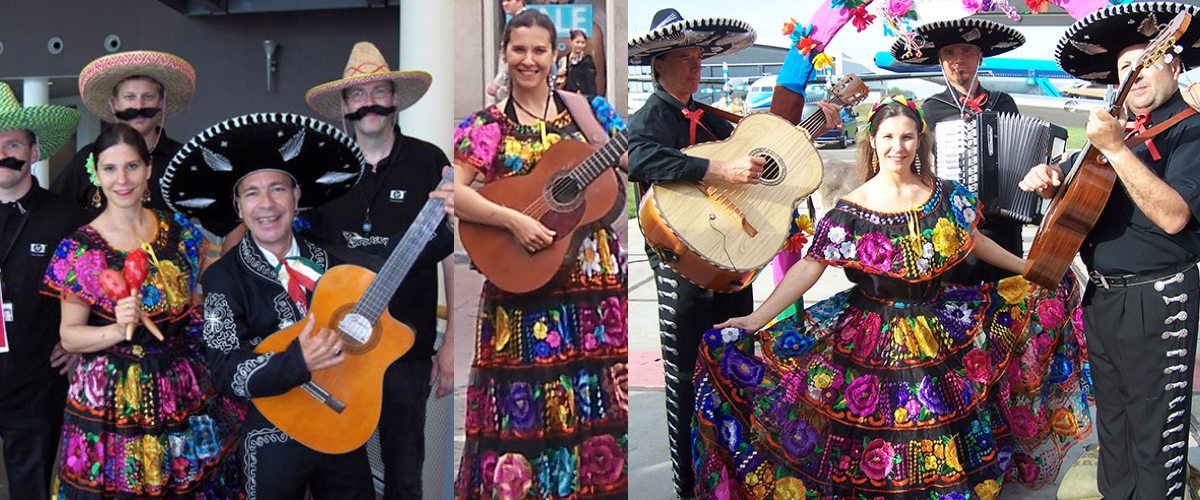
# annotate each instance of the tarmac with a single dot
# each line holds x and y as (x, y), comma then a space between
(649, 457)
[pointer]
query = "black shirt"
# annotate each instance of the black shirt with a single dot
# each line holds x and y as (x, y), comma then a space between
(30, 231)
(72, 182)
(392, 194)
(944, 106)
(658, 132)
(581, 76)
(1124, 240)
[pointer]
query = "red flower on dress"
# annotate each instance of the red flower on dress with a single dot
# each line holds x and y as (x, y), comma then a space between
(796, 242)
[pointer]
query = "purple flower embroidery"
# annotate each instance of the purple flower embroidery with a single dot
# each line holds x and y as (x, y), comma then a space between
(799, 438)
(518, 407)
(863, 395)
(742, 370)
(875, 250)
(877, 459)
(931, 396)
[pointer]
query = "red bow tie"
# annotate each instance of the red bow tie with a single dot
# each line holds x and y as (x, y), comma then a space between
(1138, 126)
(694, 118)
(974, 103)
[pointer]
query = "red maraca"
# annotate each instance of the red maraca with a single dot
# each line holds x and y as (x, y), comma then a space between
(137, 266)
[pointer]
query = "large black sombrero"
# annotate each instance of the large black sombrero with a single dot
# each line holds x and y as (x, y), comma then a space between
(1089, 48)
(992, 38)
(669, 31)
(199, 181)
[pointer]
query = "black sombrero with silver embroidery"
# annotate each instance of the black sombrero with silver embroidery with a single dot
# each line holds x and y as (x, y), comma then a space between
(1089, 49)
(992, 38)
(669, 31)
(199, 181)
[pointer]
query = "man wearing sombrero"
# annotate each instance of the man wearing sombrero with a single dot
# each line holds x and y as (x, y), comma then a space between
(32, 360)
(1139, 314)
(141, 89)
(667, 123)
(958, 46)
(379, 209)
(262, 169)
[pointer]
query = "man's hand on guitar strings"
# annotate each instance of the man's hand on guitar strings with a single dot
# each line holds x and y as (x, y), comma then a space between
(321, 350)
(832, 117)
(744, 170)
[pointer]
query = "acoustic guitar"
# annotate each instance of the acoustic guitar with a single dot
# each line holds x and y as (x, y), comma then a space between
(720, 235)
(337, 410)
(570, 188)
(1084, 192)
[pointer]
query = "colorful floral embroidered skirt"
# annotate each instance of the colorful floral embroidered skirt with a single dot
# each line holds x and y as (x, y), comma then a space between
(857, 398)
(547, 401)
(144, 421)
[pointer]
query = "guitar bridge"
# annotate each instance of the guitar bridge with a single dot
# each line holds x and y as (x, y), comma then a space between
(322, 395)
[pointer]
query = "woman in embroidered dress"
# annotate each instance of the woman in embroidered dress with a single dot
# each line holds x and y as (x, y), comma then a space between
(546, 414)
(899, 388)
(142, 419)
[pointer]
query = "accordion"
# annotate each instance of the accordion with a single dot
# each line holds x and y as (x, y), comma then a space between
(991, 152)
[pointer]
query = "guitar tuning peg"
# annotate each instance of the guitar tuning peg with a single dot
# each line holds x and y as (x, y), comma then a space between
(1168, 59)
(1178, 49)
(1158, 66)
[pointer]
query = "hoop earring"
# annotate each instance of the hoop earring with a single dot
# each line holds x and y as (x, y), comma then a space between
(96, 201)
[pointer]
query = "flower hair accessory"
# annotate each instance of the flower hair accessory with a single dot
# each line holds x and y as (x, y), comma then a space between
(897, 99)
(90, 166)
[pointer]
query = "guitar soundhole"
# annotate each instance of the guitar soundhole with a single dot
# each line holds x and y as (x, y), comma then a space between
(562, 193)
(774, 170)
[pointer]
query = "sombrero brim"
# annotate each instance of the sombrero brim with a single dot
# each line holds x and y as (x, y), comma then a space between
(199, 180)
(52, 125)
(97, 79)
(714, 36)
(326, 98)
(1089, 49)
(992, 39)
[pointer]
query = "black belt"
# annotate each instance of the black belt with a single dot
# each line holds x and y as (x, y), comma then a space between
(1128, 280)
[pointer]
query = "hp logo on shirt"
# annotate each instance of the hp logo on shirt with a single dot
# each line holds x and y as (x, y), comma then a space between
(37, 249)
(397, 195)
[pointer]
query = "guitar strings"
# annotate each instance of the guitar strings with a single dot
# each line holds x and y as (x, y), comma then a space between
(593, 166)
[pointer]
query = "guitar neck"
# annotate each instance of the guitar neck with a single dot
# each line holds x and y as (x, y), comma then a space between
(374, 302)
(598, 162)
(816, 119)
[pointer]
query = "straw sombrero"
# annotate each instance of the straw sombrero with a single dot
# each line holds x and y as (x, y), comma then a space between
(367, 65)
(97, 79)
(200, 179)
(53, 126)
(669, 31)
(992, 38)
(1089, 48)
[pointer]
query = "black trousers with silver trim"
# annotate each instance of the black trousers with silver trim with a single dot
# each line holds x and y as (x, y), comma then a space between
(1141, 343)
(685, 312)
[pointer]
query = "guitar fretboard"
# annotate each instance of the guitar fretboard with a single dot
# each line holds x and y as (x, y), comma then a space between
(400, 262)
(598, 162)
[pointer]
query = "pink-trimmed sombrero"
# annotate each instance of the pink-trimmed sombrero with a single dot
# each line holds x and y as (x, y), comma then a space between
(97, 79)
(367, 65)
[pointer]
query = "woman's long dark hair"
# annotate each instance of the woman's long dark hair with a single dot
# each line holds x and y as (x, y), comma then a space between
(121, 133)
(866, 151)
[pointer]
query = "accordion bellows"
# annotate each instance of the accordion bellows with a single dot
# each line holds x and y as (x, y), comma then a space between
(991, 152)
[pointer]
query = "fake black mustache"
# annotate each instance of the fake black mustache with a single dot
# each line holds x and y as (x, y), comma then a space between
(374, 108)
(12, 163)
(131, 113)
